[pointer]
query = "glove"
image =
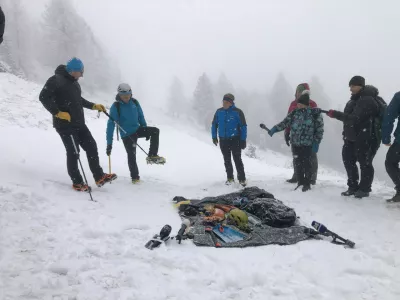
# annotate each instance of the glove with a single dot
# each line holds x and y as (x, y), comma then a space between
(242, 145)
(215, 141)
(287, 138)
(109, 148)
(63, 116)
(331, 113)
(99, 107)
(315, 147)
(272, 131)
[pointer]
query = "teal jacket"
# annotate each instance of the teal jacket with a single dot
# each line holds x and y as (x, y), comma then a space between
(130, 118)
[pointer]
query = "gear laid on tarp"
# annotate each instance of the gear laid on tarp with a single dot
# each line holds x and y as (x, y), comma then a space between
(249, 217)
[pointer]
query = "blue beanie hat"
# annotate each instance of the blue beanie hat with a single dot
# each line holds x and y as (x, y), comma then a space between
(75, 65)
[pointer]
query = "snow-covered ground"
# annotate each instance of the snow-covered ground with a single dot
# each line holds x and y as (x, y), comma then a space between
(55, 244)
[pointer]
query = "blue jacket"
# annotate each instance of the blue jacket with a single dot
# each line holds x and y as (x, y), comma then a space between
(392, 113)
(229, 123)
(130, 118)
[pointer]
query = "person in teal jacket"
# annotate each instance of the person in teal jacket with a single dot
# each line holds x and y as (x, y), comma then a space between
(128, 113)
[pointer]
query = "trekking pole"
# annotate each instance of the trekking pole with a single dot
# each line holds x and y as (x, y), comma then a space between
(120, 128)
(109, 164)
(84, 176)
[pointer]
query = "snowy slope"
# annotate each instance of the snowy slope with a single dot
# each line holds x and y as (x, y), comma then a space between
(55, 244)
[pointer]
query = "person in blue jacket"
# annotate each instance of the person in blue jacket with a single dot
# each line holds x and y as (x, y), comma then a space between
(230, 125)
(393, 154)
(127, 112)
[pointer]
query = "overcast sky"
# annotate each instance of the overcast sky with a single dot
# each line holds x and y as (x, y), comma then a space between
(251, 41)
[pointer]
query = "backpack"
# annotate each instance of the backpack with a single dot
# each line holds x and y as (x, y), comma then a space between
(377, 120)
(118, 106)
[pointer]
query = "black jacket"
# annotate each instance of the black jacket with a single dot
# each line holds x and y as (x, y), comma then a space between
(358, 115)
(62, 92)
(2, 24)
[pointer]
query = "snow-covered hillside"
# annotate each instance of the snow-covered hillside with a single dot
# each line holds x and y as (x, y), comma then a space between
(56, 244)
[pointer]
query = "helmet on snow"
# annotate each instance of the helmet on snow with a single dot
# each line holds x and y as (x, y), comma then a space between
(239, 218)
(124, 89)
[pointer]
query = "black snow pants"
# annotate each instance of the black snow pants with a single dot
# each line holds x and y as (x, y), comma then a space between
(231, 147)
(85, 140)
(152, 133)
(392, 164)
(314, 167)
(362, 152)
(302, 164)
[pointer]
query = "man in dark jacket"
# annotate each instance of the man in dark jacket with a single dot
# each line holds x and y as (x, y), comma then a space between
(230, 125)
(360, 142)
(61, 96)
(314, 159)
(393, 155)
(2, 24)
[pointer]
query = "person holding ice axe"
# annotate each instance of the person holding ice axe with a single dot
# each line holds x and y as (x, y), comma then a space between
(127, 114)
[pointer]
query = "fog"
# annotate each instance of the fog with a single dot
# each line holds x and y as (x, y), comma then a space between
(251, 43)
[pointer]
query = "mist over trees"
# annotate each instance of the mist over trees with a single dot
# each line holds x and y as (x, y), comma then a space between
(33, 49)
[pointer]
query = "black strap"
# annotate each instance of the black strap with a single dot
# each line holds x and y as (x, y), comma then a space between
(117, 104)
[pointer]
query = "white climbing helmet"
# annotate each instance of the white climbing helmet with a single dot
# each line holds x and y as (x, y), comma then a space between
(124, 89)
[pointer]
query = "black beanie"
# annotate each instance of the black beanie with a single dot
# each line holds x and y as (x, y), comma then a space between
(357, 80)
(304, 98)
(229, 97)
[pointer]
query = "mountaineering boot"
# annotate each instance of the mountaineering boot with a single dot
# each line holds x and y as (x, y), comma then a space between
(155, 159)
(230, 181)
(396, 198)
(106, 178)
(243, 182)
(306, 188)
(361, 194)
(135, 180)
(81, 187)
(292, 180)
(349, 192)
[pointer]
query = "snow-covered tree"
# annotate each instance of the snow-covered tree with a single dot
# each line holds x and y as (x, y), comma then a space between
(203, 101)
(222, 87)
(66, 34)
(177, 102)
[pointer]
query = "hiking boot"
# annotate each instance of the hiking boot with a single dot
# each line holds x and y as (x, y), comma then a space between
(313, 182)
(292, 180)
(361, 194)
(155, 159)
(396, 198)
(349, 192)
(306, 188)
(105, 178)
(230, 181)
(81, 187)
(136, 181)
(243, 182)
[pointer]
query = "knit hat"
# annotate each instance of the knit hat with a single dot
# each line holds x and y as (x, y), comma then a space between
(75, 65)
(302, 87)
(357, 80)
(304, 98)
(229, 97)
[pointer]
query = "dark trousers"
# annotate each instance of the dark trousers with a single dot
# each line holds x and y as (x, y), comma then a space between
(229, 148)
(85, 140)
(392, 164)
(314, 167)
(362, 152)
(130, 143)
(302, 164)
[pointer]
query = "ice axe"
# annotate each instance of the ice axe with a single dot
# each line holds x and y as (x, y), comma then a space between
(324, 231)
(264, 127)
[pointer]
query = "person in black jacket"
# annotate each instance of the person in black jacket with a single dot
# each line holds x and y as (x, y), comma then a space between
(2, 24)
(360, 142)
(61, 96)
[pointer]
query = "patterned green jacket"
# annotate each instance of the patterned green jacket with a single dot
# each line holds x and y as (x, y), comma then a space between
(306, 126)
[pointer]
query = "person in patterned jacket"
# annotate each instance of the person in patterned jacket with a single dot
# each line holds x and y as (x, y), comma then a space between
(306, 131)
